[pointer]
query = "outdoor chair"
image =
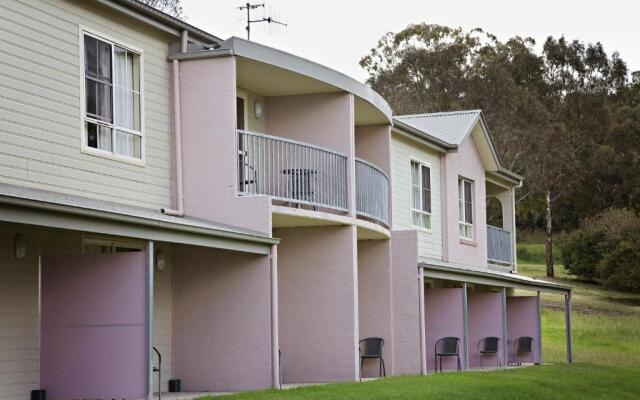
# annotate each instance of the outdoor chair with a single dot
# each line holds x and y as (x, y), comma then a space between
(371, 348)
(524, 344)
(447, 347)
(488, 346)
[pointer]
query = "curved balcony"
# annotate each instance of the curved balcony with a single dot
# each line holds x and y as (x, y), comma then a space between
(291, 171)
(372, 192)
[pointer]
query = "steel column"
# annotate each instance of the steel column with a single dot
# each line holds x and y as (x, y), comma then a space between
(149, 288)
(505, 336)
(539, 348)
(465, 324)
(567, 311)
(276, 379)
(422, 323)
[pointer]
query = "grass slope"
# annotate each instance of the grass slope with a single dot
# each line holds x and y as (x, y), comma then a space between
(606, 335)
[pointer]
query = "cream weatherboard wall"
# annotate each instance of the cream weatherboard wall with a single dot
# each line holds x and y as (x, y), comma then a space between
(40, 114)
(403, 150)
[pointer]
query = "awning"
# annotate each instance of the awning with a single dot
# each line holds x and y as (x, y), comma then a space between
(36, 207)
(484, 276)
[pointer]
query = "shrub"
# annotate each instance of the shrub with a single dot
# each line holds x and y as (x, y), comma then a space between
(606, 248)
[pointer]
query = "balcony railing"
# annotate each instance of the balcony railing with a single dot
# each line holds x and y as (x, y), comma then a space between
(291, 171)
(372, 192)
(499, 246)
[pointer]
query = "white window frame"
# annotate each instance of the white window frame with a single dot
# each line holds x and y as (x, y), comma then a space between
(461, 209)
(411, 208)
(112, 244)
(85, 148)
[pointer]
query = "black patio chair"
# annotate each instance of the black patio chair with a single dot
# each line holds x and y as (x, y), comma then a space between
(447, 347)
(489, 346)
(371, 348)
(523, 344)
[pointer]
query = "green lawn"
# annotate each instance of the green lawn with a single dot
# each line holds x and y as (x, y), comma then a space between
(606, 335)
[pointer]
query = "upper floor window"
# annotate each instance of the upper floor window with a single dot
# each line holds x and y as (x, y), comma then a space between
(465, 207)
(112, 99)
(420, 195)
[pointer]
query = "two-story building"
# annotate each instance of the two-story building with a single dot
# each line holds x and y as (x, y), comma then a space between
(230, 214)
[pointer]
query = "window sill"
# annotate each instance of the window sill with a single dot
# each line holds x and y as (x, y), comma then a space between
(468, 242)
(110, 156)
(421, 229)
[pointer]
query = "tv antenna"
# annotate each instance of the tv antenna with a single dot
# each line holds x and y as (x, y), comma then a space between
(270, 20)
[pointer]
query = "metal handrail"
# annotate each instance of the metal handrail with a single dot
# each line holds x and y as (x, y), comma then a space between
(372, 192)
(499, 246)
(291, 171)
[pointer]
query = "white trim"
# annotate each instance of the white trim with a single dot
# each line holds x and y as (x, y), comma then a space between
(461, 216)
(84, 148)
(412, 160)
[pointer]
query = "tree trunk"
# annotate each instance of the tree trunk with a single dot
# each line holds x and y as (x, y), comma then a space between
(549, 241)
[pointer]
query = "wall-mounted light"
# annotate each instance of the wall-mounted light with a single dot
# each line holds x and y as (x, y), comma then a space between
(258, 109)
(20, 246)
(161, 262)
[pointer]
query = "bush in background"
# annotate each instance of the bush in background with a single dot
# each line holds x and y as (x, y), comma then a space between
(606, 248)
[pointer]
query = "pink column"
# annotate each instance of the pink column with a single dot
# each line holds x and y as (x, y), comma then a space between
(374, 299)
(222, 320)
(522, 320)
(443, 309)
(318, 313)
(485, 319)
(405, 302)
(93, 342)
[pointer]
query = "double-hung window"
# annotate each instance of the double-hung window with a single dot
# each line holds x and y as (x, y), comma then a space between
(465, 208)
(113, 99)
(420, 195)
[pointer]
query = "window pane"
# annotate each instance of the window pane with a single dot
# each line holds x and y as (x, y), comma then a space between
(415, 175)
(461, 210)
(467, 191)
(91, 56)
(104, 61)
(91, 96)
(426, 221)
(128, 144)
(123, 108)
(468, 213)
(426, 189)
(122, 69)
(415, 196)
(98, 136)
(98, 100)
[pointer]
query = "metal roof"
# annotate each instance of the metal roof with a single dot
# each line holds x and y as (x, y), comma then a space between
(485, 276)
(449, 127)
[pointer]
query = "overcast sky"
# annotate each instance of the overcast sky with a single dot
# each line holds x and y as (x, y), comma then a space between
(338, 33)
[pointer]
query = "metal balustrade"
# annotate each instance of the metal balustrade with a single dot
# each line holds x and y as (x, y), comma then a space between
(499, 246)
(372, 192)
(291, 171)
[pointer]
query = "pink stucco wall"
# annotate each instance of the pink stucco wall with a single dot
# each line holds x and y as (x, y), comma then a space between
(93, 326)
(318, 303)
(374, 299)
(443, 317)
(373, 144)
(485, 319)
(465, 163)
(522, 320)
(323, 119)
(222, 320)
(405, 302)
(209, 146)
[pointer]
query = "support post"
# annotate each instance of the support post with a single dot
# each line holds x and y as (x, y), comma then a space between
(567, 315)
(539, 348)
(149, 288)
(465, 324)
(276, 379)
(422, 324)
(505, 336)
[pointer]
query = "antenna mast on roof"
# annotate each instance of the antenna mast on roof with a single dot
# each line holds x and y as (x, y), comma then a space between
(270, 20)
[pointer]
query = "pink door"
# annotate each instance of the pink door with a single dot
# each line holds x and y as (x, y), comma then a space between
(93, 322)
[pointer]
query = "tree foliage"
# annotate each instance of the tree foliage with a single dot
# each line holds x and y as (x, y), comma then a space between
(171, 7)
(567, 118)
